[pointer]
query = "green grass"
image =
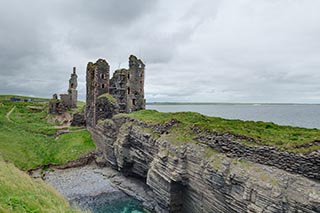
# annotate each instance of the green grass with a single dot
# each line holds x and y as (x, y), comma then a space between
(80, 107)
(29, 140)
(109, 97)
(21, 193)
(265, 133)
(72, 145)
(35, 99)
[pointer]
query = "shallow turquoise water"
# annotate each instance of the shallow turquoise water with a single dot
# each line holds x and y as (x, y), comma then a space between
(128, 205)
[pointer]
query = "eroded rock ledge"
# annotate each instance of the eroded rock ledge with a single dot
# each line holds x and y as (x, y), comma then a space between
(214, 174)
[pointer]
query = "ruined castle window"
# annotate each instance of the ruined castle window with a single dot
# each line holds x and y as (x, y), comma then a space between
(128, 76)
(133, 102)
(140, 82)
(102, 86)
(128, 90)
(103, 76)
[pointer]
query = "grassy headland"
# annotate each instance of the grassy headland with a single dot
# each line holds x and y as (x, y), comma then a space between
(21, 193)
(27, 140)
(285, 138)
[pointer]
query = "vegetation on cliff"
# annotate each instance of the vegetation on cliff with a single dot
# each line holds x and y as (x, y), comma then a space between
(286, 138)
(27, 140)
(109, 97)
(20, 193)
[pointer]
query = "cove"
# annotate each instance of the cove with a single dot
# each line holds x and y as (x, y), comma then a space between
(101, 190)
(101, 204)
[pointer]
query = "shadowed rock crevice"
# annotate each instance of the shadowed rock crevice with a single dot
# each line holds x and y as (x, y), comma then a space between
(185, 178)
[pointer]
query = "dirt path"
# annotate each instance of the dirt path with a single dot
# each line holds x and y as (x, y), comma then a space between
(62, 127)
(9, 113)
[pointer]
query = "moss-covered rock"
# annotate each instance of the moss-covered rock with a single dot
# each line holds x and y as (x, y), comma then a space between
(109, 97)
(107, 107)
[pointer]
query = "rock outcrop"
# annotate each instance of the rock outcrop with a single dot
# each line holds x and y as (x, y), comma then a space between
(78, 119)
(212, 174)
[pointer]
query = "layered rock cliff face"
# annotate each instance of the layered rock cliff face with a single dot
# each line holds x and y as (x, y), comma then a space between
(208, 175)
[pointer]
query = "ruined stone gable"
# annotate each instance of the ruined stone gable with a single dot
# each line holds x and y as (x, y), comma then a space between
(72, 91)
(126, 88)
(97, 81)
(67, 101)
(135, 88)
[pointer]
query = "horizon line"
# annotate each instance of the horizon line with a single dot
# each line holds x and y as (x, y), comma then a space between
(227, 103)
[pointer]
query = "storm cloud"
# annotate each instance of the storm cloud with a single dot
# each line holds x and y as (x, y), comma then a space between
(195, 51)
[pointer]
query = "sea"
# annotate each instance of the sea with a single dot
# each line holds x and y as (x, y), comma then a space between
(299, 115)
(128, 205)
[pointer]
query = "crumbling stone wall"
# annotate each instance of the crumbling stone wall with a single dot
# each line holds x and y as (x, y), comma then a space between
(126, 86)
(67, 101)
(72, 91)
(118, 88)
(97, 84)
(135, 87)
(55, 106)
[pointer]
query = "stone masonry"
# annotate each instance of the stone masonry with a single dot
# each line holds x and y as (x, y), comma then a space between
(125, 89)
(67, 101)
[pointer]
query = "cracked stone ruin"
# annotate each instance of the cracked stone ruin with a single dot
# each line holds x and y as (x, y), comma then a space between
(123, 93)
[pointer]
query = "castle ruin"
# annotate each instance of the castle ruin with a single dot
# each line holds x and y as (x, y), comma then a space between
(67, 101)
(123, 93)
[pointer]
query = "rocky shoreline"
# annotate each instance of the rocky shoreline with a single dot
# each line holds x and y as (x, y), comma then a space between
(138, 160)
(89, 186)
(198, 177)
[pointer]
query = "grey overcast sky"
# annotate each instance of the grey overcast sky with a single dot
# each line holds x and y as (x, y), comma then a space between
(194, 50)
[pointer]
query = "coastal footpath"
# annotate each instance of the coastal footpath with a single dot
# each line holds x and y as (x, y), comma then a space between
(195, 169)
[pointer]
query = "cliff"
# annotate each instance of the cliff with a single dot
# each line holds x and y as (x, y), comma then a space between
(195, 169)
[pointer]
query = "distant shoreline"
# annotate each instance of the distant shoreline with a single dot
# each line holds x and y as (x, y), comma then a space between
(222, 103)
(8, 96)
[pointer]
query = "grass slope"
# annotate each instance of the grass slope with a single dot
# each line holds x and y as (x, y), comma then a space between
(293, 139)
(28, 140)
(7, 98)
(20, 193)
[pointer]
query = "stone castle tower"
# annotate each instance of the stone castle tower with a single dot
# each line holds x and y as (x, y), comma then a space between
(67, 101)
(97, 79)
(72, 91)
(70, 100)
(126, 88)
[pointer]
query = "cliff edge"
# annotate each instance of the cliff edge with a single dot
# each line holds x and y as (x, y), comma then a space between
(193, 167)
